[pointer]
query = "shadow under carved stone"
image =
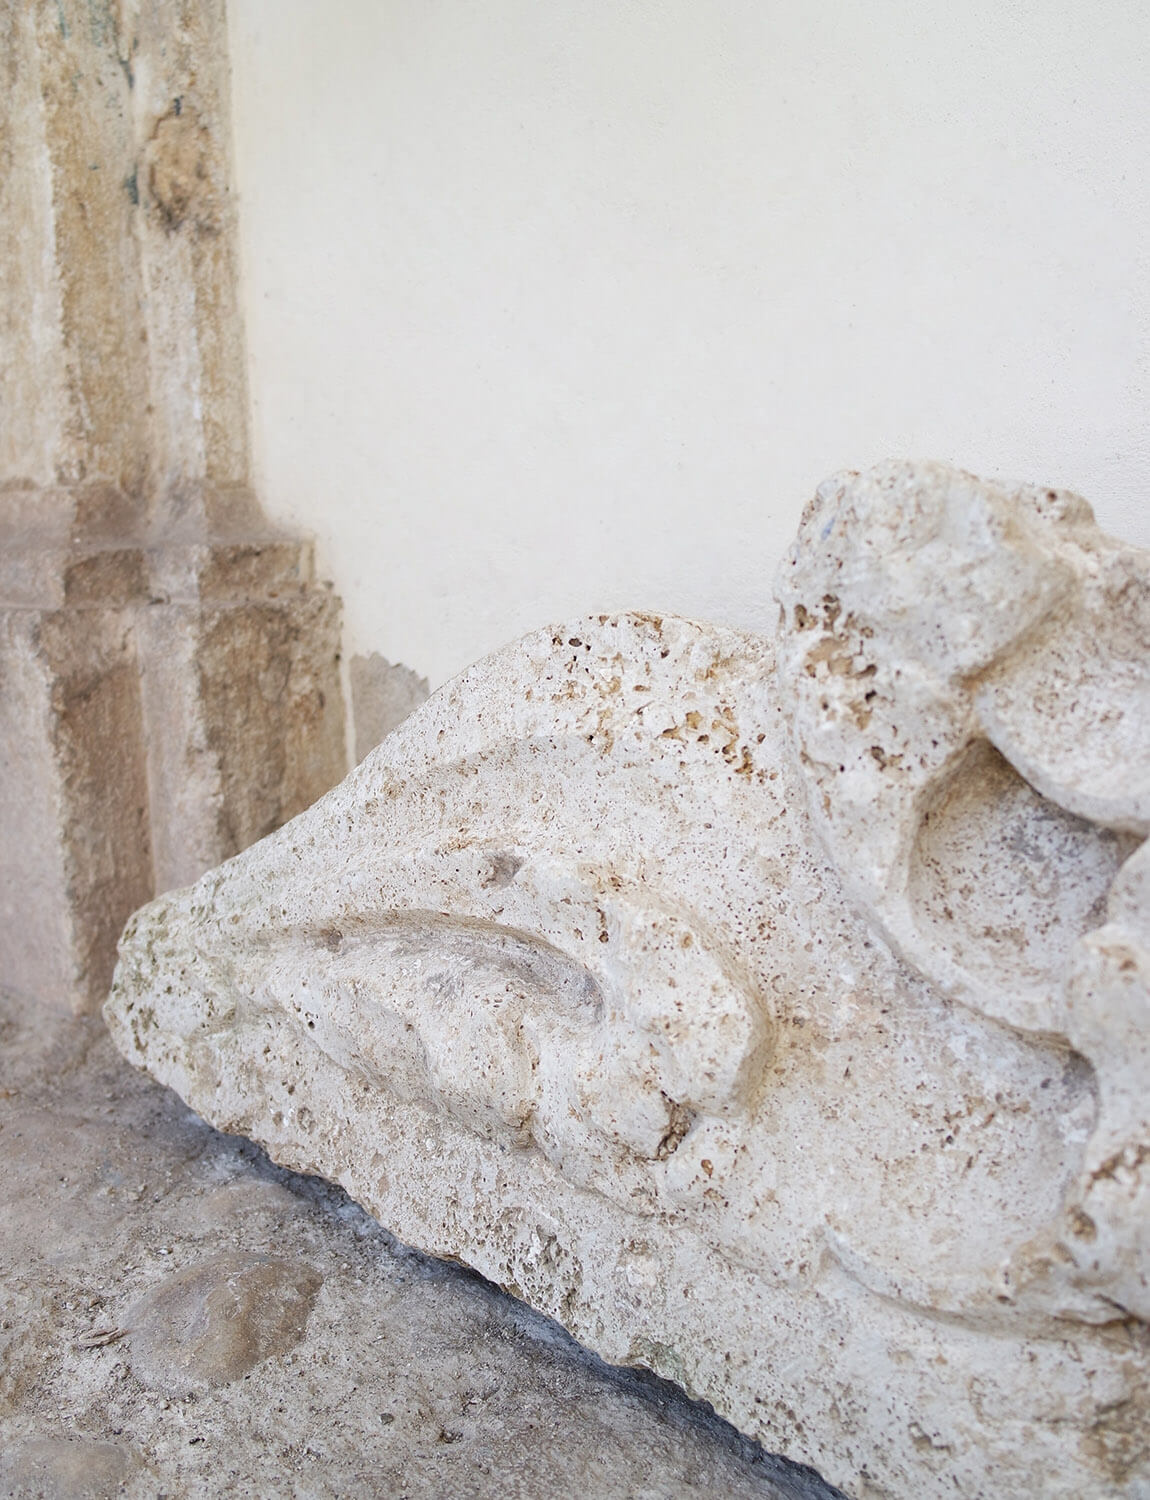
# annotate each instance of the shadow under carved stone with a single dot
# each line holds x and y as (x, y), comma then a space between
(773, 1013)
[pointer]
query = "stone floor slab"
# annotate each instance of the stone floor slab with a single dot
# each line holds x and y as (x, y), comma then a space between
(182, 1318)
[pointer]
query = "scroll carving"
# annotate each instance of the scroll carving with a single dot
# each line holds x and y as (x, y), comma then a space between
(773, 1013)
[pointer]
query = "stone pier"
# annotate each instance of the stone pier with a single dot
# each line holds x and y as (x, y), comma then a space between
(169, 666)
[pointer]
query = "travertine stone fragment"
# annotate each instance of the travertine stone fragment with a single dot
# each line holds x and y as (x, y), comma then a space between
(772, 1014)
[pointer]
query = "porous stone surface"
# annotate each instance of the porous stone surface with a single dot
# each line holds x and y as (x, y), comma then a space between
(771, 1013)
(178, 1317)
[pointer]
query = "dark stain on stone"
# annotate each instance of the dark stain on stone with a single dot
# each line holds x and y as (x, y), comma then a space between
(210, 1324)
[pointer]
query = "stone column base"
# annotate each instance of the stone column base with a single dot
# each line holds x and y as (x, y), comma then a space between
(161, 707)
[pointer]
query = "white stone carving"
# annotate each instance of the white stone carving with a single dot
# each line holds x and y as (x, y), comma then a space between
(772, 1014)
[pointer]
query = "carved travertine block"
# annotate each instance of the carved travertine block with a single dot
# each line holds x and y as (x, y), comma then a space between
(772, 1014)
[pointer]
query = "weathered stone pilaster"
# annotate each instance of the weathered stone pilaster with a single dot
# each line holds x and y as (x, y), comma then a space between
(239, 653)
(74, 853)
(169, 667)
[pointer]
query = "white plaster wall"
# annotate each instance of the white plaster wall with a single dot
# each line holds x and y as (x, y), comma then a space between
(561, 306)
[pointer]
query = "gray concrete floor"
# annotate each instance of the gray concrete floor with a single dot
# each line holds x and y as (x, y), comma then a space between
(181, 1318)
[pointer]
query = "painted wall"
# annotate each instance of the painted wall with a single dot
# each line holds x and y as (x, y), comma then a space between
(567, 306)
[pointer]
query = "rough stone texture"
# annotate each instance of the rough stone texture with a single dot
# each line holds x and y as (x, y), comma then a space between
(71, 759)
(161, 707)
(742, 1005)
(383, 694)
(122, 358)
(212, 1323)
(169, 686)
(180, 1318)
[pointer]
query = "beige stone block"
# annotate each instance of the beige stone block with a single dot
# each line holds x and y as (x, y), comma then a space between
(161, 709)
(170, 670)
(772, 1012)
(241, 690)
(74, 846)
